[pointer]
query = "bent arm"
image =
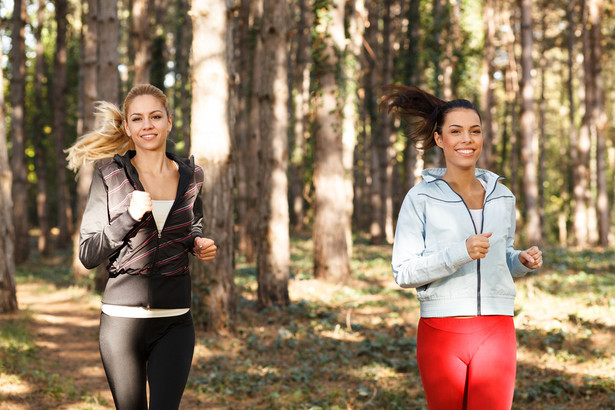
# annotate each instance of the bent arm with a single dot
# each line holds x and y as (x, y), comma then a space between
(413, 266)
(99, 239)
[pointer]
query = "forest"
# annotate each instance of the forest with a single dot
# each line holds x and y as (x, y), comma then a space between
(278, 102)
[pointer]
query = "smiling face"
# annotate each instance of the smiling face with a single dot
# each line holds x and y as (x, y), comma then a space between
(147, 123)
(461, 139)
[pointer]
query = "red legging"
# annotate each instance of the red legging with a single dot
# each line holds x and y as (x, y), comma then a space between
(467, 363)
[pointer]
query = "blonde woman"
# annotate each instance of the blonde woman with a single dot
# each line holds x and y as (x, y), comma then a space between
(143, 215)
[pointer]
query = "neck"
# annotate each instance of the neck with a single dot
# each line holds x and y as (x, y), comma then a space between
(150, 161)
(460, 177)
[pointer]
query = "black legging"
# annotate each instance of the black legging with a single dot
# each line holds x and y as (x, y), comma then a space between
(158, 350)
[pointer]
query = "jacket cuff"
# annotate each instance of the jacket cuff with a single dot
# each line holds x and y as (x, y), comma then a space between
(192, 239)
(459, 255)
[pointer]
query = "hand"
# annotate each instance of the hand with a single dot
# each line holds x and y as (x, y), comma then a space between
(531, 258)
(204, 249)
(140, 204)
(478, 245)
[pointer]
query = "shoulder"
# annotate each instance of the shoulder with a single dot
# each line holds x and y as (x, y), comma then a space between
(110, 168)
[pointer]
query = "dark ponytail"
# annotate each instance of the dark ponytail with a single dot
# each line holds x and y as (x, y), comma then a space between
(423, 112)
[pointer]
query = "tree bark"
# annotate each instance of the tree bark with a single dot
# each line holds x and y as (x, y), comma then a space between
(582, 216)
(141, 41)
(65, 216)
(580, 228)
(183, 70)
(297, 144)
(87, 97)
(42, 211)
(350, 123)
(108, 54)
(487, 97)
(214, 289)
(331, 254)
(247, 128)
(18, 134)
(273, 267)
(598, 115)
(386, 134)
(8, 292)
(528, 121)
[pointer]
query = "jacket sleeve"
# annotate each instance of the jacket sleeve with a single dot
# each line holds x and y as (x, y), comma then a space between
(197, 221)
(512, 255)
(99, 239)
(412, 265)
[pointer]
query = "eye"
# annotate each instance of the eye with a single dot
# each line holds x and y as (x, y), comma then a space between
(135, 119)
(157, 116)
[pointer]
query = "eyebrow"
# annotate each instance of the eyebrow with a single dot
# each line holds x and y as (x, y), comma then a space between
(138, 113)
(457, 125)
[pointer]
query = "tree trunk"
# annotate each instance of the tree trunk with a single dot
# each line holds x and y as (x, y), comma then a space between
(214, 288)
(582, 216)
(18, 134)
(274, 243)
(300, 115)
(331, 257)
(182, 86)
(88, 96)
(108, 54)
(108, 77)
(247, 133)
(42, 211)
(542, 134)
(8, 293)
(528, 121)
(599, 118)
(387, 135)
(59, 121)
(375, 178)
(487, 98)
(580, 226)
(141, 41)
(350, 126)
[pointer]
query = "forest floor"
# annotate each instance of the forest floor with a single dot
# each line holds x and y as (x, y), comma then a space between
(336, 346)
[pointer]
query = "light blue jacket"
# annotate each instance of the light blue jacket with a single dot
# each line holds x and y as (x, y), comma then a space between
(430, 251)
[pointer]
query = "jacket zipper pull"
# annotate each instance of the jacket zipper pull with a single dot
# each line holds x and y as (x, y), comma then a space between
(159, 235)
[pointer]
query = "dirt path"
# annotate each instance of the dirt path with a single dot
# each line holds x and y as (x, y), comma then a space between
(67, 373)
(64, 324)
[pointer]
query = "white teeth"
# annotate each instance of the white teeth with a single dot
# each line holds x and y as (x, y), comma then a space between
(465, 151)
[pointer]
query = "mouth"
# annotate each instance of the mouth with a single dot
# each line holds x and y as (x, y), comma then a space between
(466, 152)
(148, 137)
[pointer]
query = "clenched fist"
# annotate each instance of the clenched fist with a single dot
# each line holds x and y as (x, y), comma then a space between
(205, 249)
(478, 245)
(140, 204)
(532, 257)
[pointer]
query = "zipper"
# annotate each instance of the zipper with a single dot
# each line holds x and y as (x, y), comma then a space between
(482, 224)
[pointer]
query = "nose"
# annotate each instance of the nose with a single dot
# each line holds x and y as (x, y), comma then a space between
(466, 136)
(147, 123)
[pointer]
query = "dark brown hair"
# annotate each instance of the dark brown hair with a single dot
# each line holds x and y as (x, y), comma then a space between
(423, 112)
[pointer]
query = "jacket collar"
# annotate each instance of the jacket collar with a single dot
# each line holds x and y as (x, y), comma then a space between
(186, 170)
(435, 174)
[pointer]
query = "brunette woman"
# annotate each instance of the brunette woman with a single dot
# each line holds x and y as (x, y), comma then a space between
(454, 244)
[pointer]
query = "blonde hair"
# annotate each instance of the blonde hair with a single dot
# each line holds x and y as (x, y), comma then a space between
(109, 136)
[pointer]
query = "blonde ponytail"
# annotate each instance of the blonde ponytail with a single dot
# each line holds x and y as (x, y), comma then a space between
(107, 139)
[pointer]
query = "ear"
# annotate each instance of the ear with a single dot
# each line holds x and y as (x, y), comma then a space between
(438, 139)
(126, 129)
(170, 124)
